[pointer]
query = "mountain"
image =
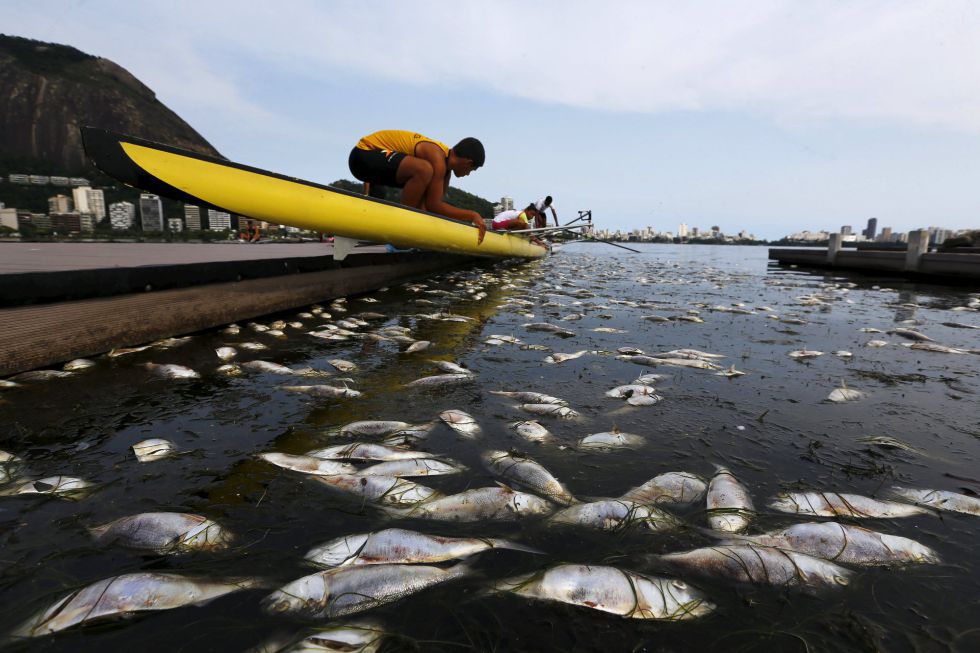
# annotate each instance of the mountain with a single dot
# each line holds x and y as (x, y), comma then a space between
(48, 91)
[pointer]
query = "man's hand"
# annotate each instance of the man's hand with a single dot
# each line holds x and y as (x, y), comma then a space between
(481, 226)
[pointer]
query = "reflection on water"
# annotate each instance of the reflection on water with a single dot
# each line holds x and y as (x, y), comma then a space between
(771, 427)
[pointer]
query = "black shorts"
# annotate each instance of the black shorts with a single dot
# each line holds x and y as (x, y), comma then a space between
(376, 166)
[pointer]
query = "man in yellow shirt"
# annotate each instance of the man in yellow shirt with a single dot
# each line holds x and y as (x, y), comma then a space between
(420, 166)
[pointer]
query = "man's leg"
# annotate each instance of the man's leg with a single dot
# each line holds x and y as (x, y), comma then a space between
(414, 175)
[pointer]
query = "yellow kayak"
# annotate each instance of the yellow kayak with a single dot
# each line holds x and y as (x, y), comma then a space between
(212, 182)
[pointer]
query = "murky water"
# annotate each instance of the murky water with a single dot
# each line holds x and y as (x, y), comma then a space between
(772, 427)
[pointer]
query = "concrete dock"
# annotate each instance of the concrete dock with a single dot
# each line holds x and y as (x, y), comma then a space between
(60, 301)
(915, 262)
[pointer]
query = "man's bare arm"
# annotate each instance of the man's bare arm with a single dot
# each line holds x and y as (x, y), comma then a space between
(436, 191)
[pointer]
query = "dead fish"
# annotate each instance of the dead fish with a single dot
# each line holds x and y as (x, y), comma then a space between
(911, 334)
(78, 364)
(342, 365)
(561, 358)
(412, 468)
(543, 326)
(526, 473)
(154, 449)
(680, 353)
(163, 533)
(632, 390)
(399, 546)
(450, 367)
(322, 391)
(840, 353)
(846, 544)
(440, 380)
(480, 504)
(614, 439)
(888, 442)
(58, 486)
(9, 467)
(38, 375)
(505, 338)
(307, 464)
(461, 422)
(731, 372)
(530, 397)
(384, 490)
(614, 515)
(612, 590)
(365, 451)
(265, 367)
(729, 503)
(936, 348)
(833, 504)
(348, 590)
(652, 361)
(372, 428)
(124, 595)
(671, 487)
(253, 346)
(535, 347)
(234, 329)
(226, 353)
(122, 351)
(531, 430)
(761, 565)
(655, 318)
(800, 354)
(551, 410)
(876, 343)
(869, 330)
(418, 345)
(230, 370)
(608, 330)
(360, 636)
(843, 393)
(169, 371)
(940, 500)
(960, 325)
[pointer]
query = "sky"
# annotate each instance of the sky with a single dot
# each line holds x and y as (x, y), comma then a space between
(771, 116)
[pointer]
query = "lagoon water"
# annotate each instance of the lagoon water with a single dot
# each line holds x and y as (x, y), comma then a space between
(772, 427)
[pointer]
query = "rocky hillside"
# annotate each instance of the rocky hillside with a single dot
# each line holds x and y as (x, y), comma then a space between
(47, 91)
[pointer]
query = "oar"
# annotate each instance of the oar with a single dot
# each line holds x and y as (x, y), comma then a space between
(609, 242)
(544, 229)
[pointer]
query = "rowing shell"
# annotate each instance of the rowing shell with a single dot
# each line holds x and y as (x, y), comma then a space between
(235, 188)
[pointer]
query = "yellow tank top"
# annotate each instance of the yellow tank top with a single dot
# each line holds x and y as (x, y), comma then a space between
(397, 140)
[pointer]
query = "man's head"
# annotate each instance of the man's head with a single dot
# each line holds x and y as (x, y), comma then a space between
(547, 201)
(466, 156)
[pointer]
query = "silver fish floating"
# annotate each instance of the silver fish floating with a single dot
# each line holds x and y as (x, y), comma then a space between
(58, 486)
(307, 464)
(125, 595)
(833, 504)
(551, 410)
(266, 367)
(450, 367)
(366, 451)
(844, 394)
(172, 371)
(846, 544)
(226, 353)
(612, 590)
(383, 490)
(729, 503)
(527, 473)
(614, 439)
(480, 504)
(348, 590)
(372, 428)
(342, 365)
(671, 488)
(78, 364)
(163, 533)
(532, 431)
(440, 380)
(561, 358)
(614, 515)
(10, 466)
(911, 334)
(940, 499)
(360, 636)
(461, 422)
(801, 354)
(530, 397)
(399, 546)
(418, 345)
(412, 468)
(154, 449)
(761, 565)
(322, 391)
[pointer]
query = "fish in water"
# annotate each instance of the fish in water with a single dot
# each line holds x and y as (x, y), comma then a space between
(551, 410)
(169, 371)
(671, 487)
(612, 590)
(122, 351)
(731, 372)
(653, 361)
(266, 367)
(440, 380)
(614, 439)
(348, 590)
(307, 464)
(846, 544)
(833, 504)
(230, 369)
(843, 394)
(39, 375)
(616, 514)
(526, 473)
(636, 394)
(480, 504)
(384, 490)
(322, 391)
(531, 430)
(125, 595)
(530, 397)
(10, 466)
(450, 367)
(413, 467)
(911, 334)
(58, 486)
(342, 365)
(461, 422)
(939, 499)
(163, 533)
(359, 636)
(78, 364)
(876, 343)
(366, 451)
(561, 358)
(372, 428)
(936, 348)
(760, 565)
(226, 353)
(154, 449)
(399, 546)
(418, 345)
(801, 354)
(730, 506)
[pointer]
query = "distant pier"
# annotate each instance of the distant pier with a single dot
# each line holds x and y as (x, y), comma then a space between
(915, 262)
(60, 301)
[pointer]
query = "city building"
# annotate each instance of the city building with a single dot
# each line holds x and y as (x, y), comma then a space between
(60, 204)
(60, 181)
(18, 179)
(886, 235)
(682, 230)
(872, 229)
(39, 180)
(847, 230)
(80, 196)
(218, 220)
(192, 217)
(70, 222)
(122, 215)
(8, 218)
(151, 212)
(78, 181)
